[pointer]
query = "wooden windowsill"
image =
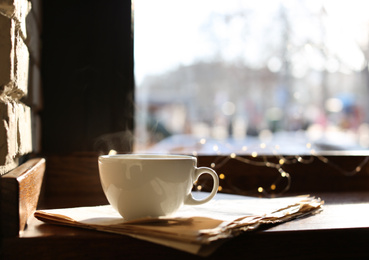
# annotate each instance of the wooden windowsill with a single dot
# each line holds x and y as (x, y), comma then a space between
(340, 230)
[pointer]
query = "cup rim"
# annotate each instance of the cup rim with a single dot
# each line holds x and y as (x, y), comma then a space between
(143, 156)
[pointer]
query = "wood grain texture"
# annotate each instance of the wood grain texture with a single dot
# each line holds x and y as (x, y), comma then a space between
(338, 232)
(20, 190)
(313, 176)
(72, 180)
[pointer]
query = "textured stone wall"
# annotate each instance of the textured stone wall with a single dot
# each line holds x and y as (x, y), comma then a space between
(19, 73)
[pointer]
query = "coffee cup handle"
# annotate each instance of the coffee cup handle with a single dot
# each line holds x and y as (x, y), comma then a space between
(198, 172)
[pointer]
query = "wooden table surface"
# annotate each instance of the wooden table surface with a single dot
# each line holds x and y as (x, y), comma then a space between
(341, 231)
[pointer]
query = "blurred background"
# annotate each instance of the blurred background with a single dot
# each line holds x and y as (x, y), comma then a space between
(237, 76)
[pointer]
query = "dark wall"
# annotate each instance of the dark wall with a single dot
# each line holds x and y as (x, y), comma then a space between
(87, 71)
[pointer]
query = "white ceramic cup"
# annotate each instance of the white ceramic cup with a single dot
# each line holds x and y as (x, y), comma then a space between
(143, 185)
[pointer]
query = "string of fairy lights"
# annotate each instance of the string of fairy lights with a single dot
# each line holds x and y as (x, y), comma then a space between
(257, 159)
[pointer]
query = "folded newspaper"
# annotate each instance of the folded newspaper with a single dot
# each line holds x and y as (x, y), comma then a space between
(195, 229)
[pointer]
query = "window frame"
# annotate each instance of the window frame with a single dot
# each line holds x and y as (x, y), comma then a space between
(71, 155)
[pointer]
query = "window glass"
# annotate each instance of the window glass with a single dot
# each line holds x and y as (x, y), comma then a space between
(223, 76)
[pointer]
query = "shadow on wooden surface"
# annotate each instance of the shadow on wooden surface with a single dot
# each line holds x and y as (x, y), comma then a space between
(20, 191)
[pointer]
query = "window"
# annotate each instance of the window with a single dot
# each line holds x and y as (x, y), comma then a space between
(251, 76)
